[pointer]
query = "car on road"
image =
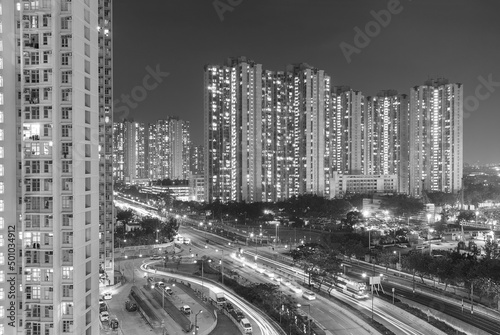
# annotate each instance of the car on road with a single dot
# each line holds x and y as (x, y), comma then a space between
(269, 274)
(402, 246)
(308, 295)
(160, 284)
(155, 257)
(229, 307)
(186, 309)
(246, 325)
(102, 306)
(168, 290)
(237, 315)
(130, 306)
(113, 323)
(107, 296)
(295, 289)
(278, 278)
(104, 316)
(150, 279)
(285, 282)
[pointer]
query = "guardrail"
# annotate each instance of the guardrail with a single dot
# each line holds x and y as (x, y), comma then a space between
(144, 307)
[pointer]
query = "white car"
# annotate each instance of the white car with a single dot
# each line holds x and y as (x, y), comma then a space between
(285, 282)
(309, 295)
(260, 270)
(295, 289)
(107, 296)
(186, 309)
(269, 274)
(402, 246)
(278, 278)
(104, 316)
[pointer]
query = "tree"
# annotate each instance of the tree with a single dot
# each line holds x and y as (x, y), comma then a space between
(349, 244)
(491, 250)
(417, 263)
(442, 268)
(442, 198)
(387, 258)
(466, 216)
(400, 205)
(126, 216)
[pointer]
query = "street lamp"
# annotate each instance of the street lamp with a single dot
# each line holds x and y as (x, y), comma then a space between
(399, 252)
(202, 272)
(157, 231)
(309, 318)
(196, 322)
(221, 265)
(277, 224)
(429, 235)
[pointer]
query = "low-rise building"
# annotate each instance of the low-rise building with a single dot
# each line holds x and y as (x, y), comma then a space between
(363, 184)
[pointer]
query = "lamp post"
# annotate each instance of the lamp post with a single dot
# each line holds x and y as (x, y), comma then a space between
(399, 252)
(221, 265)
(196, 322)
(157, 231)
(276, 244)
(309, 318)
(429, 239)
(202, 273)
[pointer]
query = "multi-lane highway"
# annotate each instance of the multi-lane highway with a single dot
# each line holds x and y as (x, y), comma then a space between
(327, 312)
(332, 316)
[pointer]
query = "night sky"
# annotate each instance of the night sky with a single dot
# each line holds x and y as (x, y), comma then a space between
(455, 39)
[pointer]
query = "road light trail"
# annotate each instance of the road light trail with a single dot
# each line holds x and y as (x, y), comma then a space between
(265, 327)
(298, 274)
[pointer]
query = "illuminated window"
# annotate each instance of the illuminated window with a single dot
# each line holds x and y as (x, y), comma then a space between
(2, 222)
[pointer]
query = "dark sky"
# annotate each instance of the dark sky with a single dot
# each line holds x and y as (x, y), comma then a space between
(455, 39)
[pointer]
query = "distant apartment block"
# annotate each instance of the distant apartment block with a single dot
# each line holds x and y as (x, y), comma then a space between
(154, 151)
(436, 137)
(270, 135)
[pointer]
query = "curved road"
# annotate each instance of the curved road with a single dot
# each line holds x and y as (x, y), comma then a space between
(264, 326)
(326, 310)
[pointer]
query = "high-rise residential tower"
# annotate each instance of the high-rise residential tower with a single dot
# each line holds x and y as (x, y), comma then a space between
(196, 165)
(106, 206)
(264, 131)
(50, 166)
(309, 106)
(118, 151)
(347, 131)
(130, 150)
(179, 142)
(436, 137)
(386, 136)
(232, 132)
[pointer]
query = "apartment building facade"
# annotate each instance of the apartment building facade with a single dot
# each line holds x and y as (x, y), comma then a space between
(50, 172)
